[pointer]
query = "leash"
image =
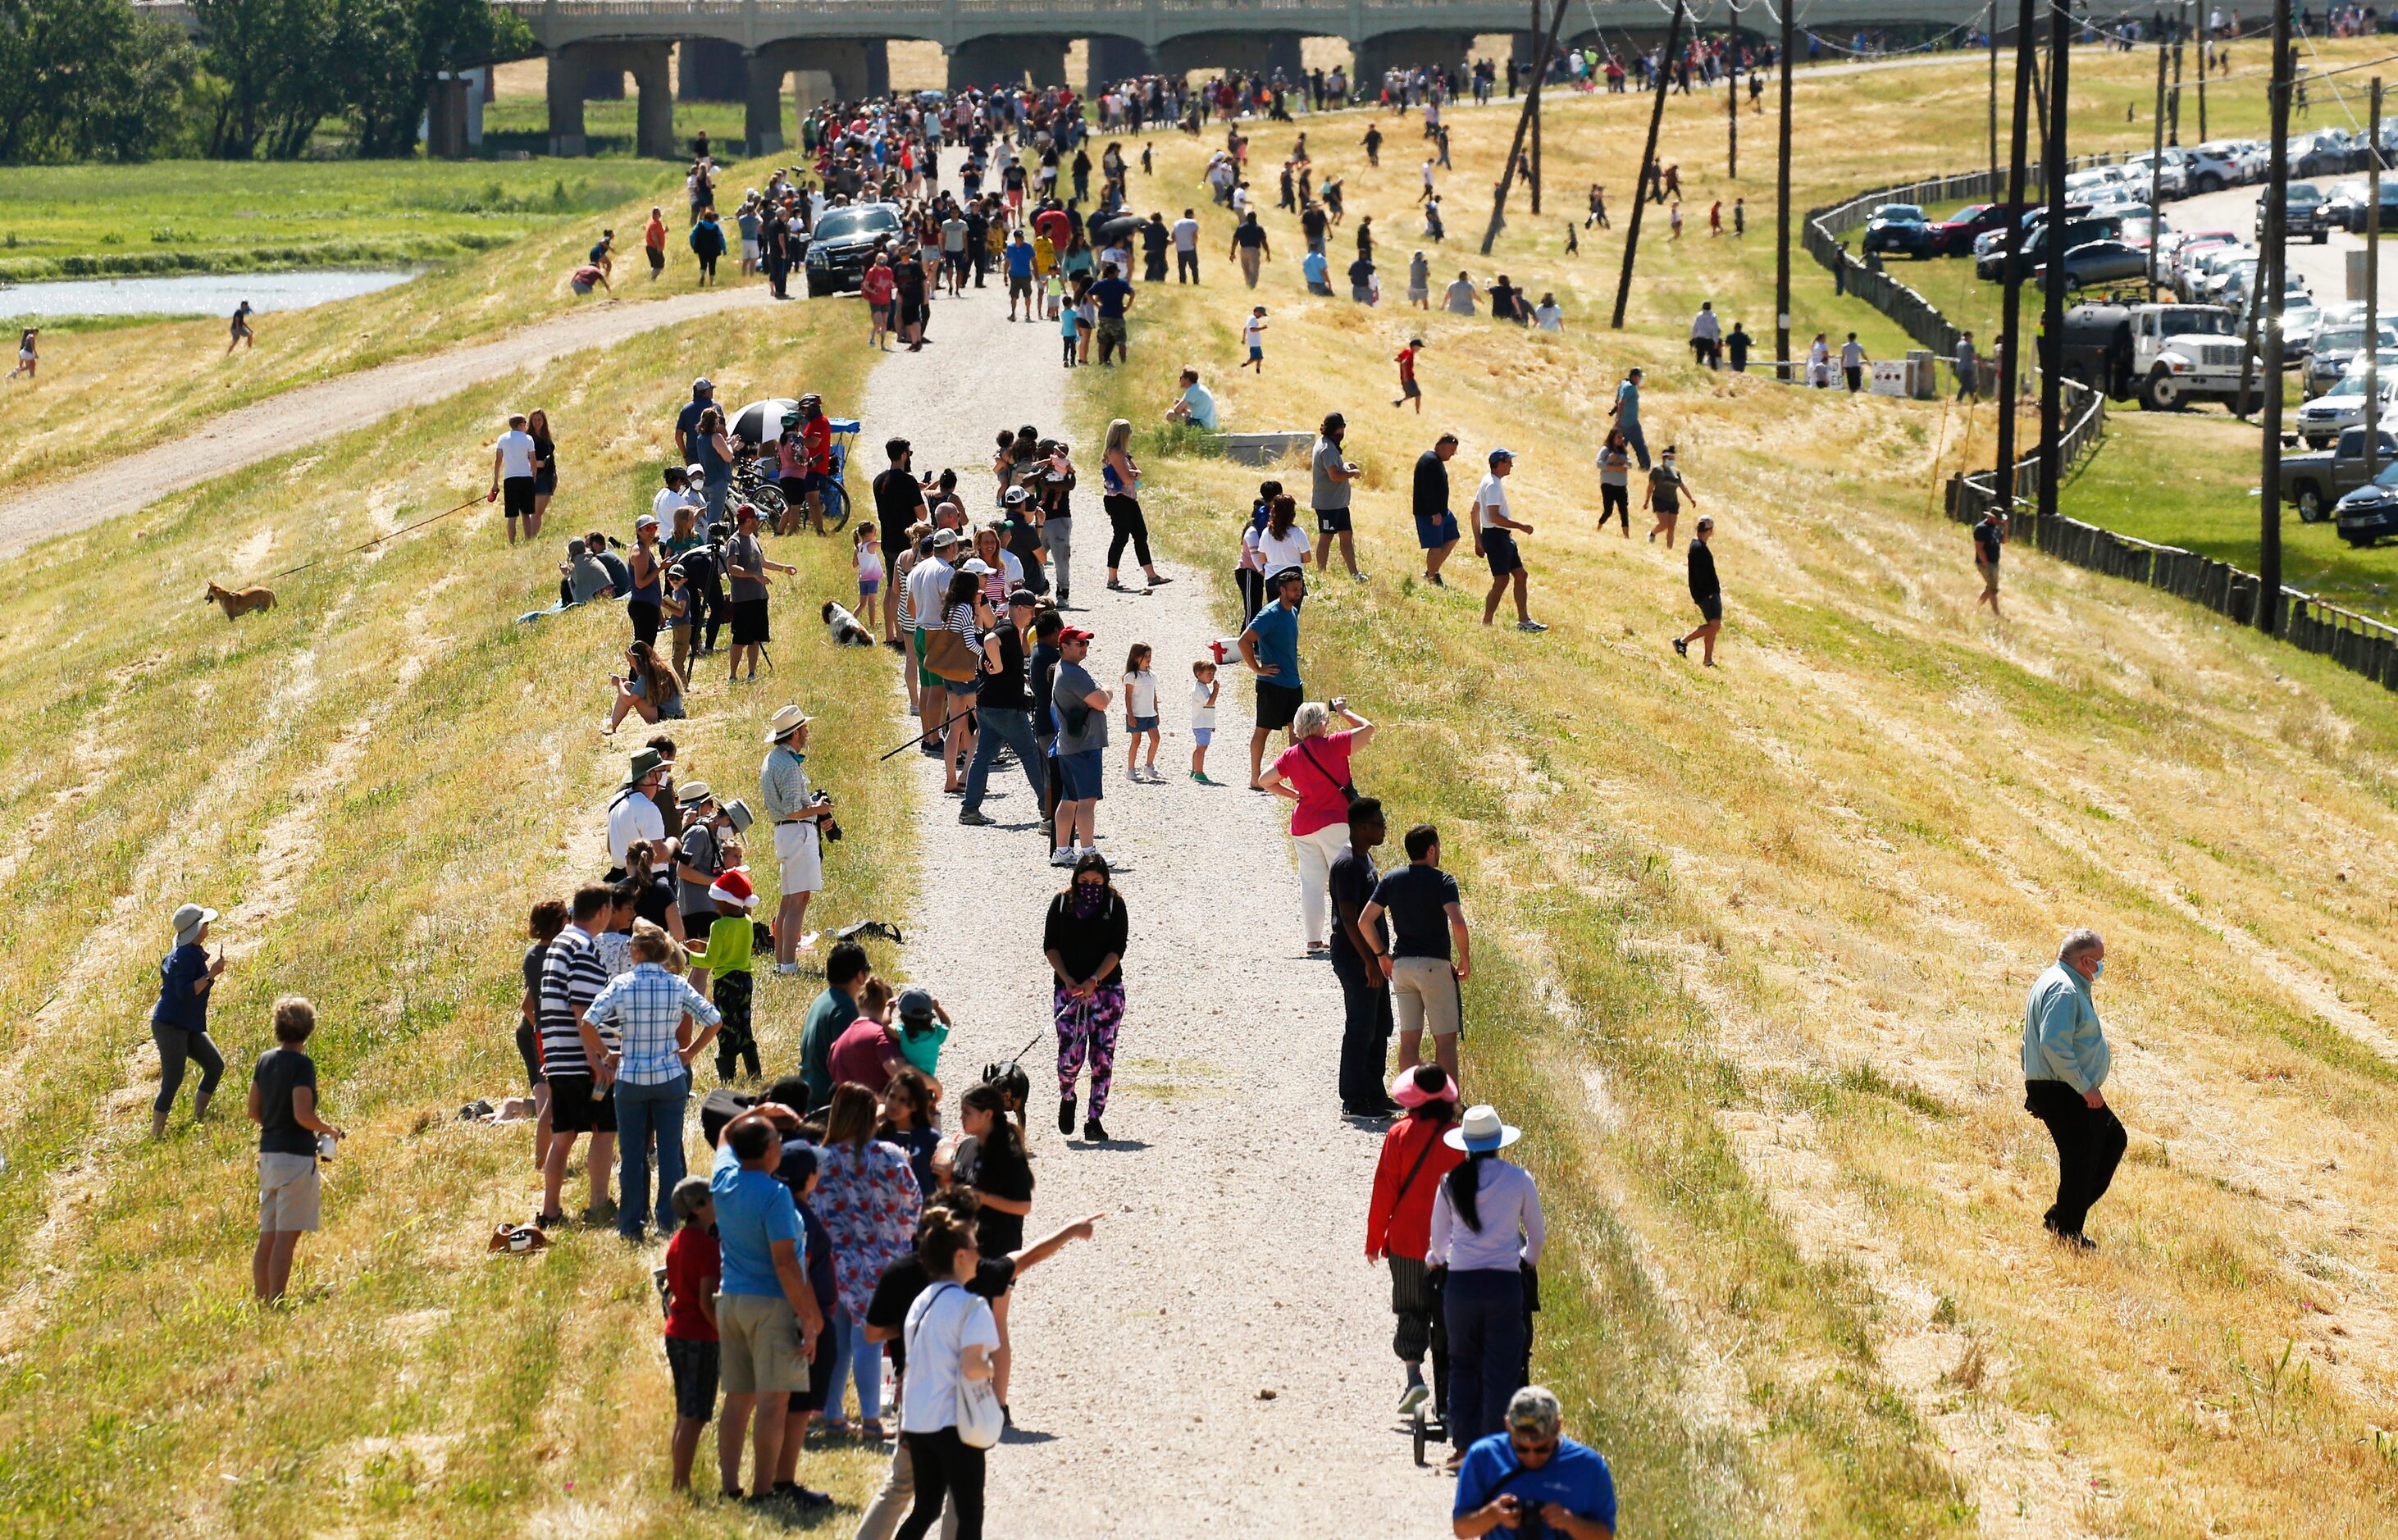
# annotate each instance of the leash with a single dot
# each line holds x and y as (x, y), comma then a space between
(919, 737)
(379, 539)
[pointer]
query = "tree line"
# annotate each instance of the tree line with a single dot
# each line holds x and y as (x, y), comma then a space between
(99, 79)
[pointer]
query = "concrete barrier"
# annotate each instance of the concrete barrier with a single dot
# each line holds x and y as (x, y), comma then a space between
(1263, 449)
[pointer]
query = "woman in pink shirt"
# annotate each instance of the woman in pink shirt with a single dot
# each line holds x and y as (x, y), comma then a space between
(1314, 773)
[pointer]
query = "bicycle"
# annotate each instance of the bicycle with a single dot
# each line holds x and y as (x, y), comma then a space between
(753, 485)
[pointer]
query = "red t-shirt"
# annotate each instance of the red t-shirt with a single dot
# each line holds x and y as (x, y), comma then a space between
(692, 1262)
(1316, 768)
(864, 1055)
(877, 286)
(816, 434)
(1400, 1225)
(1407, 357)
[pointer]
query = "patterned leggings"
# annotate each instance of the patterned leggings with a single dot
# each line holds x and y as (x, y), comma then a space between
(736, 1046)
(1087, 1028)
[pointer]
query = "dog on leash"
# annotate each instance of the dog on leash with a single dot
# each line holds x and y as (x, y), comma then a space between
(846, 631)
(236, 604)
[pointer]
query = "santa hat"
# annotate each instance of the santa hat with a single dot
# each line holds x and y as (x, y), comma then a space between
(734, 888)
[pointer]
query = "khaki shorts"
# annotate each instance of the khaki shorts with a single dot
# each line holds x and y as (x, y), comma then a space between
(288, 1192)
(801, 856)
(1423, 996)
(761, 1339)
(1989, 576)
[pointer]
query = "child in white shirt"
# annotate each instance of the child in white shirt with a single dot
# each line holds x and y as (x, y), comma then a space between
(1252, 337)
(1140, 711)
(1203, 716)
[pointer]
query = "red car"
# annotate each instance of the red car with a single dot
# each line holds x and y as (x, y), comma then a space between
(1954, 236)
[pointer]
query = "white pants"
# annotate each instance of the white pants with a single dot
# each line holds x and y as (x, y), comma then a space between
(1316, 854)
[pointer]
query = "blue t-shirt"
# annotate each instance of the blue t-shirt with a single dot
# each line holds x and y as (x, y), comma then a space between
(1315, 267)
(753, 1211)
(1019, 259)
(1110, 295)
(178, 1005)
(1277, 633)
(1575, 1477)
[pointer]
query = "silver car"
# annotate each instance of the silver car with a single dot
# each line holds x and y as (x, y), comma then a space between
(2320, 421)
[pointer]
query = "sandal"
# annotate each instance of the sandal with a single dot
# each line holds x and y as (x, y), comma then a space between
(873, 1431)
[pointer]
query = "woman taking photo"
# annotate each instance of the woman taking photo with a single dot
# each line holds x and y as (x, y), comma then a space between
(649, 686)
(1314, 773)
(713, 453)
(545, 469)
(1083, 939)
(867, 1198)
(951, 1336)
(967, 614)
(645, 606)
(1120, 483)
(1487, 1230)
(1398, 1224)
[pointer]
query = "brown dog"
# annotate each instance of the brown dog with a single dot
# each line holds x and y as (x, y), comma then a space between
(236, 605)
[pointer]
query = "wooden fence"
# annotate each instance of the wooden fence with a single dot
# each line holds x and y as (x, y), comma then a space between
(2357, 642)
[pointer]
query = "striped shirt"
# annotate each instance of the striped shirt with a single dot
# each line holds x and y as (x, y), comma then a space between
(572, 975)
(646, 1006)
(783, 783)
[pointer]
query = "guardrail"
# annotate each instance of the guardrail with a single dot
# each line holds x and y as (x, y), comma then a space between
(2357, 642)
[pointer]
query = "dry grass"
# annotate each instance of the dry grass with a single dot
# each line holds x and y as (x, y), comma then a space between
(1766, 929)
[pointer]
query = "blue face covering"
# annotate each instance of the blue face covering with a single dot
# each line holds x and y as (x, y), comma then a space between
(2096, 968)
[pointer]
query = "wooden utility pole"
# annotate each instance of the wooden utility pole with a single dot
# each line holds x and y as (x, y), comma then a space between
(1732, 100)
(1548, 43)
(2052, 330)
(2372, 292)
(1990, 26)
(1782, 207)
(2272, 263)
(2205, 46)
(2156, 173)
(1649, 160)
(1542, 65)
(2011, 313)
(2173, 129)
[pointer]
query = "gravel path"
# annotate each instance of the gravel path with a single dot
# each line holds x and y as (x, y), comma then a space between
(304, 414)
(1230, 1266)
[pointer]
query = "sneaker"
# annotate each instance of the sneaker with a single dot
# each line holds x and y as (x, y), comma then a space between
(1159, 582)
(1066, 1115)
(1681, 646)
(786, 969)
(1359, 576)
(1532, 626)
(1092, 1133)
(1415, 1394)
(1436, 580)
(1201, 776)
(976, 818)
(1063, 855)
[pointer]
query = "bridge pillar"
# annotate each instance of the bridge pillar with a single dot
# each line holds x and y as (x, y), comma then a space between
(571, 69)
(445, 117)
(990, 61)
(653, 135)
(1114, 59)
(567, 76)
(877, 67)
(707, 69)
(761, 123)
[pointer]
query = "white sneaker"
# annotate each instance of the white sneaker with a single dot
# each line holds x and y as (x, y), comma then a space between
(786, 967)
(1415, 1396)
(1529, 626)
(1063, 855)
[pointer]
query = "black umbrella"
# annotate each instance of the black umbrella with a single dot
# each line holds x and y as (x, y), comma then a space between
(761, 421)
(1107, 232)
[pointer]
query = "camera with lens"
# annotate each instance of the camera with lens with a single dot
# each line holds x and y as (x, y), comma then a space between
(825, 826)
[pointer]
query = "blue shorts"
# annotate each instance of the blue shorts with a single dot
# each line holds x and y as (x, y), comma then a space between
(1203, 736)
(1499, 550)
(1078, 775)
(1143, 724)
(1433, 533)
(1256, 353)
(868, 586)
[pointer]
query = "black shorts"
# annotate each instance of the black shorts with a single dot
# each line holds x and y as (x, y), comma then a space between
(1499, 550)
(573, 1111)
(694, 1365)
(749, 622)
(529, 1049)
(1331, 520)
(1407, 388)
(1711, 608)
(1277, 704)
(657, 257)
(516, 496)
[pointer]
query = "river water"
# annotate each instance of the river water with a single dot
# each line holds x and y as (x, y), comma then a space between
(194, 294)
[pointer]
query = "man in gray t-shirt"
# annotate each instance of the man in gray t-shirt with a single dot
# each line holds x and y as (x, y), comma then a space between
(1081, 708)
(1329, 495)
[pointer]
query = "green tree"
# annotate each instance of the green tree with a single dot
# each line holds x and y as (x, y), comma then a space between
(272, 57)
(73, 73)
(393, 50)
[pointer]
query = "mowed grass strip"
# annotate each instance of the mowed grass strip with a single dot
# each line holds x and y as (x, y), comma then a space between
(1753, 942)
(374, 781)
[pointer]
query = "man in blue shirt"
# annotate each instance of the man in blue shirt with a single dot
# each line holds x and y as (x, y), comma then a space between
(1019, 277)
(1532, 1480)
(766, 1315)
(1113, 296)
(1270, 647)
(2065, 1063)
(1317, 272)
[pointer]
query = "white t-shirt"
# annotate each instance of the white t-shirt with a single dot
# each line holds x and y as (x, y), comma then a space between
(1704, 324)
(663, 505)
(1140, 693)
(1491, 493)
(1186, 235)
(632, 816)
(1852, 354)
(1203, 704)
(1549, 318)
(1253, 331)
(1277, 551)
(942, 1324)
(927, 587)
(516, 447)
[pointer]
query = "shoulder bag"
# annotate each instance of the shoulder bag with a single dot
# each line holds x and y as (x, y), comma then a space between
(947, 656)
(980, 1418)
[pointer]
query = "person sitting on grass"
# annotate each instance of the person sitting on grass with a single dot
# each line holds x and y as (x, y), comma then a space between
(283, 1104)
(650, 688)
(692, 1264)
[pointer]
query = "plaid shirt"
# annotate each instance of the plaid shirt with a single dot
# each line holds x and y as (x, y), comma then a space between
(646, 1006)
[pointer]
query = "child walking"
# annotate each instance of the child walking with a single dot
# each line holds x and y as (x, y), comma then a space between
(1140, 711)
(868, 557)
(1203, 716)
(1070, 322)
(692, 1350)
(1252, 337)
(730, 941)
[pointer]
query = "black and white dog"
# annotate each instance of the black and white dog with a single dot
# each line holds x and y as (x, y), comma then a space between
(846, 631)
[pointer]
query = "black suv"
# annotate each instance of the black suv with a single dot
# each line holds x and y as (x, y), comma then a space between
(842, 246)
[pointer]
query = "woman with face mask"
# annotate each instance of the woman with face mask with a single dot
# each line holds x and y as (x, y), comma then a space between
(1084, 940)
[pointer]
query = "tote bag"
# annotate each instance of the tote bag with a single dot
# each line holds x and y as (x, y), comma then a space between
(981, 1418)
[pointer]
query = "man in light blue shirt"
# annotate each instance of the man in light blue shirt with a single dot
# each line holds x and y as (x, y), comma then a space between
(1626, 412)
(1196, 405)
(2065, 1063)
(1317, 272)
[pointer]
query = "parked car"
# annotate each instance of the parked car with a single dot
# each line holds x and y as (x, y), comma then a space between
(2312, 483)
(2330, 351)
(2347, 207)
(2305, 212)
(1954, 237)
(842, 247)
(2172, 176)
(2320, 421)
(2097, 262)
(1899, 228)
(2369, 514)
(2197, 277)
(2078, 232)
(2325, 153)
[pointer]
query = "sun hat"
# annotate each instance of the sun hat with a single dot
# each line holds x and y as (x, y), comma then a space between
(1407, 1094)
(1481, 1132)
(188, 921)
(784, 722)
(738, 814)
(694, 793)
(915, 1004)
(648, 761)
(732, 886)
(976, 566)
